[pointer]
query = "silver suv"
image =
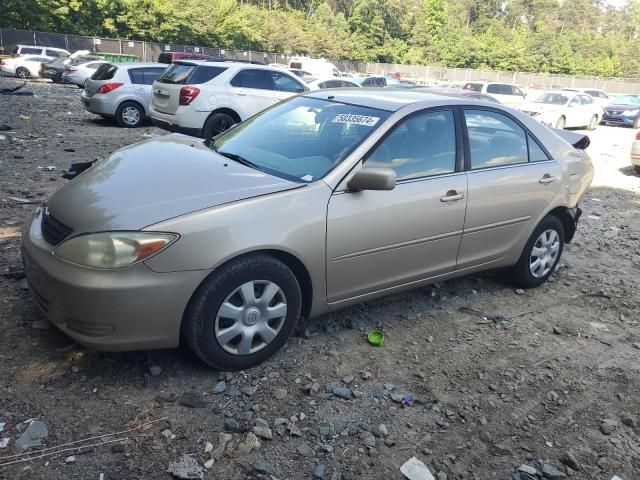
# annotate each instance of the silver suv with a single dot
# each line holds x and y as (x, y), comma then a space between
(121, 91)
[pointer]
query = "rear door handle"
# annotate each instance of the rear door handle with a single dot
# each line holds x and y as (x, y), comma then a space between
(240, 91)
(546, 178)
(452, 196)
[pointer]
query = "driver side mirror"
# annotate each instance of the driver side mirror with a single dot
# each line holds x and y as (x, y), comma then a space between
(373, 179)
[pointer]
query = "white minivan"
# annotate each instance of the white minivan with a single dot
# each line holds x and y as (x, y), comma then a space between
(316, 67)
(505, 93)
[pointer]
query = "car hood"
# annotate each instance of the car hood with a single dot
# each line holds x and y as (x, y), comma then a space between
(540, 107)
(155, 180)
(616, 106)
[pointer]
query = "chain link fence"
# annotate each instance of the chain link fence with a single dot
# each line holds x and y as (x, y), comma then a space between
(149, 52)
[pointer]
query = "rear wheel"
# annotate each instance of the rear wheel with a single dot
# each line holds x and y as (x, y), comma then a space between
(637, 167)
(22, 72)
(561, 123)
(129, 115)
(541, 254)
(216, 124)
(593, 122)
(243, 313)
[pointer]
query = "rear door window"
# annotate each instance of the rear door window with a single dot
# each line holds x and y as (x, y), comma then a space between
(284, 83)
(367, 82)
(332, 84)
(347, 84)
(204, 73)
(253, 78)
(106, 71)
(494, 88)
(136, 76)
(150, 74)
(586, 100)
(495, 140)
(54, 53)
(380, 82)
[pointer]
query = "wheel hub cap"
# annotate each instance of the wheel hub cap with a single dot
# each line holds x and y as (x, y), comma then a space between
(251, 317)
(544, 253)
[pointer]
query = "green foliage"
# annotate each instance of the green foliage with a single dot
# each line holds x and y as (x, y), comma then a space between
(588, 37)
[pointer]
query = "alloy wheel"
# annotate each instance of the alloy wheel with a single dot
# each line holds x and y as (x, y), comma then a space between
(544, 253)
(250, 317)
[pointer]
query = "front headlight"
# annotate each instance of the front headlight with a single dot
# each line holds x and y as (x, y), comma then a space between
(109, 250)
(631, 113)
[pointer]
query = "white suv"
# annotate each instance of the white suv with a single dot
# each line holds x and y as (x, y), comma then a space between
(505, 93)
(204, 98)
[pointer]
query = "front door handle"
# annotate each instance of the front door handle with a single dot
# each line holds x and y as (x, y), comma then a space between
(240, 91)
(546, 178)
(452, 196)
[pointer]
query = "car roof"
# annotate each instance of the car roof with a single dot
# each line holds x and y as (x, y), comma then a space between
(392, 99)
(41, 46)
(127, 65)
(331, 77)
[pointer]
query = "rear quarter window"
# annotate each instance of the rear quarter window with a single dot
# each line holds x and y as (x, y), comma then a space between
(106, 71)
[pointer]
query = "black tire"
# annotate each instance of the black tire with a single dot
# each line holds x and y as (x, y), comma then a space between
(637, 167)
(57, 78)
(22, 72)
(561, 123)
(126, 117)
(521, 272)
(216, 124)
(198, 327)
(593, 123)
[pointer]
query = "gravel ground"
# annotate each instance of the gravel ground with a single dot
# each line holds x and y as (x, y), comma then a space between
(552, 384)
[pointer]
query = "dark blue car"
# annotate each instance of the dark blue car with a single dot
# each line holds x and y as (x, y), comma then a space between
(625, 110)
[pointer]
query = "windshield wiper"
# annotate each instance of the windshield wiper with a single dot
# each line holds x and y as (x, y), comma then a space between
(238, 158)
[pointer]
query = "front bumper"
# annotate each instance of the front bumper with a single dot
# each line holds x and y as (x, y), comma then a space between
(131, 308)
(98, 105)
(609, 119)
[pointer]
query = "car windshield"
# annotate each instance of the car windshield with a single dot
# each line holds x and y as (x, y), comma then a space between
(552, 99)
(628, 100)
(302, 139)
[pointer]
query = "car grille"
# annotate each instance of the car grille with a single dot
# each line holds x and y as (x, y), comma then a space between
(53, 231)
(613, 112)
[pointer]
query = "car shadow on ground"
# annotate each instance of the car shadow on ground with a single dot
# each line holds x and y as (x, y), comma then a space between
(630, 171)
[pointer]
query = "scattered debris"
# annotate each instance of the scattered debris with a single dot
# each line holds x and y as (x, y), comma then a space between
(414, 469)
(70, 459)
(186, 468)
(4, 442)
(192, 400)
(33, 436)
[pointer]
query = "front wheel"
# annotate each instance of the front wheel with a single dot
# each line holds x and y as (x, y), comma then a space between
(593, 122)
(129, 115)
(243, 313)
(22, 72)
(216, 124)
(541, 254)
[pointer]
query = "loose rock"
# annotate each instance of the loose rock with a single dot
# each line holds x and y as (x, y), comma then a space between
(186, 468)
(318, 472)
(220, 387)
(192, 400)
(262, 466)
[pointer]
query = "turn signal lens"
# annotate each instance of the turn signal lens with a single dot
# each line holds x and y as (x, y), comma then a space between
(109, 87)
(109, 250)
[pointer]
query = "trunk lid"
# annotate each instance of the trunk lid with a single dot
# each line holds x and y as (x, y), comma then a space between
(155, 180)
(166, 88)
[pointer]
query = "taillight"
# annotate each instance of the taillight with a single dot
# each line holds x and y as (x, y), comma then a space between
(2, 62)
(188, 95)
(638, 136)
(71, 70)
(109, 87)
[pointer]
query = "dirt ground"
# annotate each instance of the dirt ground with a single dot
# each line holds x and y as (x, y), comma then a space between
(553, 384)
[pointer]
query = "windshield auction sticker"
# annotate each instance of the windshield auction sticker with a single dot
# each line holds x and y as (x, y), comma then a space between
(356, 119)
